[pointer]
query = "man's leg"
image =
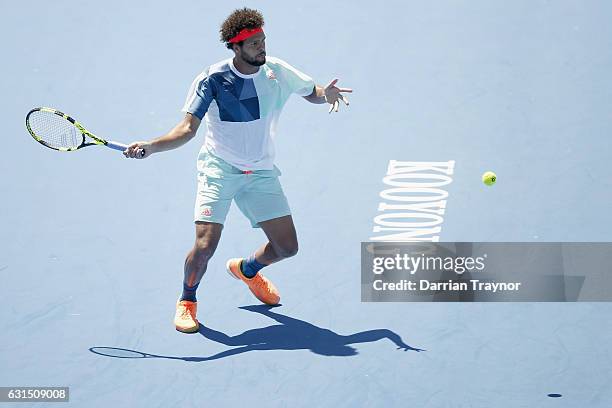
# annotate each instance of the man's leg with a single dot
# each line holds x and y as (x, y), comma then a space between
(282, 243)
(282, 240)
(207, 239)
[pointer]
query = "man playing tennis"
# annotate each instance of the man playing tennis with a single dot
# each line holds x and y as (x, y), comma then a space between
(240, 100)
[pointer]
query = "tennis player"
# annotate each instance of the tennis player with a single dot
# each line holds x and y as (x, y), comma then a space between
(240, 100)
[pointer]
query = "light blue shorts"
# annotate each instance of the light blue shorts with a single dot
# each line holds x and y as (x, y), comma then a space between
(258, 195)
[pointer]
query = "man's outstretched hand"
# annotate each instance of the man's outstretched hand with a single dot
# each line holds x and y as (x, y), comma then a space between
(333, 95)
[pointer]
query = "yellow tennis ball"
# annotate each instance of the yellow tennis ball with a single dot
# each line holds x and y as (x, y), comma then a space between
(489, 178)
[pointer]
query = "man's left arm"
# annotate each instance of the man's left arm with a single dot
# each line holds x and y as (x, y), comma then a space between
(330, 94)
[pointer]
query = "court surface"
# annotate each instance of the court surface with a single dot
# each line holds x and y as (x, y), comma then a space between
(93, 245)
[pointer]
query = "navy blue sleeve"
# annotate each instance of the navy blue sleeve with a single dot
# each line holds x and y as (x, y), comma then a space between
(201, 94)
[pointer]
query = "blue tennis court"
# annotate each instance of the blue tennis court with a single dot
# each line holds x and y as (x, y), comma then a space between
(93, 245)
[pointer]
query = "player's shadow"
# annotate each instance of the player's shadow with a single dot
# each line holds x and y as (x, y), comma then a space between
(295, 334)
(290, 334)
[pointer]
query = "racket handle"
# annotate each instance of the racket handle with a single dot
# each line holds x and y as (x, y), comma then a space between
(122, 147)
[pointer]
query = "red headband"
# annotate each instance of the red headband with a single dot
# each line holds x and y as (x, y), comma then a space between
(245, 33)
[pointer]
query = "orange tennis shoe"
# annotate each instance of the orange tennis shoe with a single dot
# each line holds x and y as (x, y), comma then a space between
(185, 318)
(260, 286)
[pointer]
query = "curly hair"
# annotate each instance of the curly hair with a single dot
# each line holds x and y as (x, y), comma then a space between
(237, 21)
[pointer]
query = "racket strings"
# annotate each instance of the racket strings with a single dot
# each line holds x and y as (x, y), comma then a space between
(55, 131)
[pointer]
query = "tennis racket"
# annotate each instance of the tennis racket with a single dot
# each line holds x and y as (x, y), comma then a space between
(58, 131)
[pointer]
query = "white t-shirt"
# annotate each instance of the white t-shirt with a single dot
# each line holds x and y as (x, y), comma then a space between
(241, 111)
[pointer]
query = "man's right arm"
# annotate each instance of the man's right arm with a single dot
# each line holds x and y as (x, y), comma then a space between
(183, 132)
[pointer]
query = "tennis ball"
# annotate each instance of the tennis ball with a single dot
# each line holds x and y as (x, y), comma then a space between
(489, 178)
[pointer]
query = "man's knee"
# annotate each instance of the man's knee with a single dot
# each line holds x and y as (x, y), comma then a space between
(287, 250)
(207, 238)
(204, 249)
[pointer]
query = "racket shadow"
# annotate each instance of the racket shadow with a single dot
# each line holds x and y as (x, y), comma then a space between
(290, 334)
(117, 352)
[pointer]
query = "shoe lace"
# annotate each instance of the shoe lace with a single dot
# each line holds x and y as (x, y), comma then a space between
(261, 283)
(185, 312)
